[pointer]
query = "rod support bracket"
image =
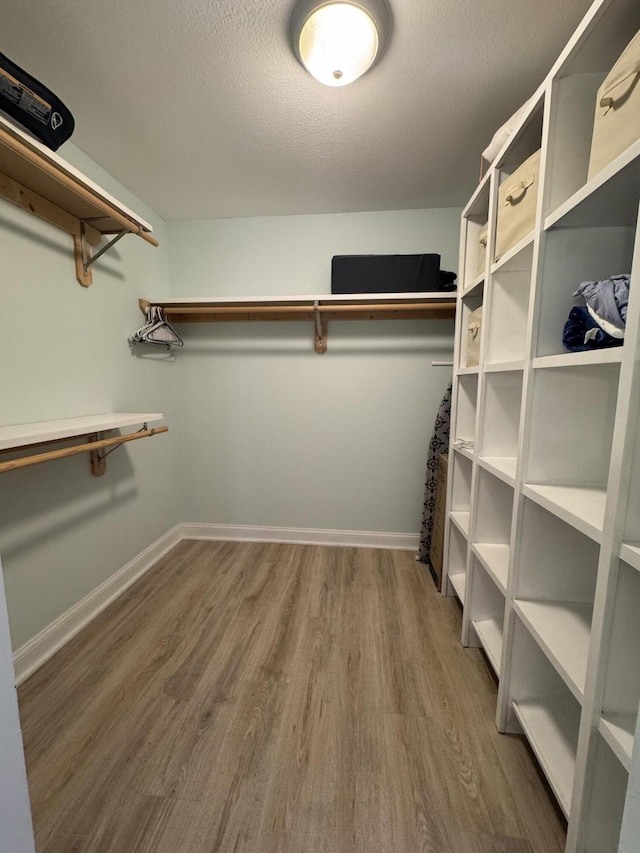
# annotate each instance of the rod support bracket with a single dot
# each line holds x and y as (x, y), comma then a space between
(320, 329)
(82, 253)
(97, 458)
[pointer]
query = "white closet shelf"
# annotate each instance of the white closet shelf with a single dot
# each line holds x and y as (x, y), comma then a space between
(613, 355)
(507, 260)
(467, 371)
(610, 198)
(459, 584)
(495, 559)
(563, 631)
(489, 633)
(630, 553)
(551, 725)
(619, 732)
(318, 309)
(580, 506)
(39, 181)
(503, 467)
(30, 436)
(22, 435)
(504, 366)
(461, 520)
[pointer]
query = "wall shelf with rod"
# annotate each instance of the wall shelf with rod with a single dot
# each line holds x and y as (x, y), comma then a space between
(28, 437)
(317, 309)
(42, 183)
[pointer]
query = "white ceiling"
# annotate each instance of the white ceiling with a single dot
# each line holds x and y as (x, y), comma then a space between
(201, 109)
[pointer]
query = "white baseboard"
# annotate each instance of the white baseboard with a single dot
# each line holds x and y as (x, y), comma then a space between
(44, 645)
(37, 651)
(301, 536)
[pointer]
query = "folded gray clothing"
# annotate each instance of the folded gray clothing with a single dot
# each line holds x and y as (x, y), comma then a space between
(608, 298)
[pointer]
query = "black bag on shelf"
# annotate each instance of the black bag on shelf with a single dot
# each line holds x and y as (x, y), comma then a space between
(385, 273)
(33, 106)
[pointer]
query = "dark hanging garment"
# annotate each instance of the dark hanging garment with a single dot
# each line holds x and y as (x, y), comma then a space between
(439, 443)
(32, 105)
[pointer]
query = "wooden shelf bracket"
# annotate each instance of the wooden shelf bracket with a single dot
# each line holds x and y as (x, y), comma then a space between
(322, 324)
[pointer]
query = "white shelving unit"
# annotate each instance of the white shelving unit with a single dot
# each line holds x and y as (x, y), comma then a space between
(544, 553)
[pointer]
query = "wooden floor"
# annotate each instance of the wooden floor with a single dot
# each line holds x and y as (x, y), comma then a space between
(246, 697)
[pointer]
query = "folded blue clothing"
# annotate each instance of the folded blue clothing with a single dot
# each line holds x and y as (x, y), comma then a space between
(582, 333)
(608, 298)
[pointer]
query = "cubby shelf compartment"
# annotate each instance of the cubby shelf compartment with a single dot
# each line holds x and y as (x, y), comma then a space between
(39, 181)
(510, 259)
(457, 562)
(464, 427)
(461, 520)
(494, 502)
(486, 607)
(467, 452)
(476, 284)
(580, 506)
(495, 560)
(609, 199)
(605, 801)
(562, 630)
(550, 725)
(503, 467)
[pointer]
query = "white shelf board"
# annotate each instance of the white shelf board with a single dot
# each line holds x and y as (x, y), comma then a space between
(21, 435)
(612, 355)
(495, 559)
(550, 725)
(563, 630)
(580, 506)
(476, 284)
(504, 366)
(489, 633)
(610, 198)
(323, 299)
(461, 520)
(459, 584)
(503, 467)
(619, 732)
(467, 371)
(513, 253)
(630, 553)
(467, 452)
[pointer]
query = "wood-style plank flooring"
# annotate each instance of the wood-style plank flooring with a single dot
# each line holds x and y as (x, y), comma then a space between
(249, 697)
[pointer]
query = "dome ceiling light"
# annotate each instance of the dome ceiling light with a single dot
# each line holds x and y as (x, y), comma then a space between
(338, 41)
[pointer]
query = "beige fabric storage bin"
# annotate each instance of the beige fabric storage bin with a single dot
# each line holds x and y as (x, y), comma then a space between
(474, 327)
(517, 198)
(482, 250)
(616, 125)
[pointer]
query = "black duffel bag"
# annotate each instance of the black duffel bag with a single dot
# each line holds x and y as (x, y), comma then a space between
(33, 106)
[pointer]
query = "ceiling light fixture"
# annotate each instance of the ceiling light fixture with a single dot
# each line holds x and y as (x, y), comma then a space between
(338, 41)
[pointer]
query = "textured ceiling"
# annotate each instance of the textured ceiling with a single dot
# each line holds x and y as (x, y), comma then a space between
(201, 109)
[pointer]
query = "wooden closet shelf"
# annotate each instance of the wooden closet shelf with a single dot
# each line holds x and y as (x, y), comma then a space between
(411, 306)
(42, 183)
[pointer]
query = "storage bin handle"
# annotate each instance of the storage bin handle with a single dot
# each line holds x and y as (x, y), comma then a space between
(518, 192)
(606, 101)
(483, 240)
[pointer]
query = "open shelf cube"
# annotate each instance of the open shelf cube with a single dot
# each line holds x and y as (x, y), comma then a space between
(547, 713)
(572, 420)
(574, 255)
(509, 310)
(461, 482)
(494, 511)
(501, 421)
(457, 562)
(622, 682)
(486, 614)
(466, 305)
(474, 222)
(606, 802)
(465, 421)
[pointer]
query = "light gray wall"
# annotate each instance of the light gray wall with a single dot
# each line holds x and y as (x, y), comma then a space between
(270, 433)
(65, 353)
